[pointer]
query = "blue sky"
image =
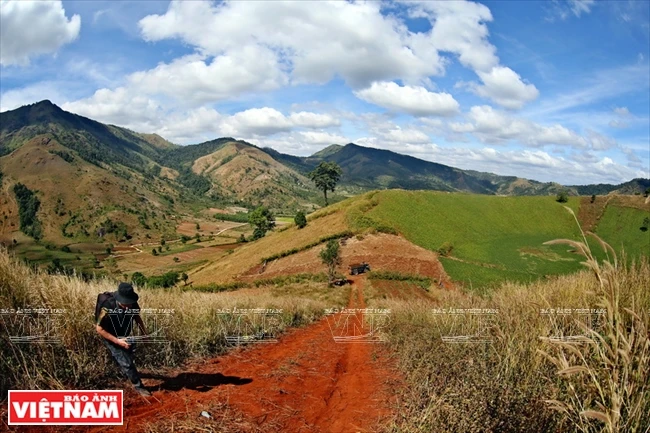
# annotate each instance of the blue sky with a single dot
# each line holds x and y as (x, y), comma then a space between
(551, 91)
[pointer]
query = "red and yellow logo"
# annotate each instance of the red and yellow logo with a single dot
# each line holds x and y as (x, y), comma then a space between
(66, 407)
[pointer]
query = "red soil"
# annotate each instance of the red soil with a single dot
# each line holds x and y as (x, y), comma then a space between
(306, 382)
(383, 252)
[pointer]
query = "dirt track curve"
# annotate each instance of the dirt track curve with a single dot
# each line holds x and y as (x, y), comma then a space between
(306, 382)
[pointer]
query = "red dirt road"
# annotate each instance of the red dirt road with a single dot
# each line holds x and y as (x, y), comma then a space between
(306, 382)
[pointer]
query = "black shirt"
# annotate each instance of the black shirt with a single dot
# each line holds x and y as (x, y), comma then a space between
(116, 320)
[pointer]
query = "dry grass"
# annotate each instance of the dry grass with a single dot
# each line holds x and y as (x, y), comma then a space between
(250, 255)
(79, 360)
(540, 371)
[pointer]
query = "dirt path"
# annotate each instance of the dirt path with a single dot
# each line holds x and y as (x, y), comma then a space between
(306, 382)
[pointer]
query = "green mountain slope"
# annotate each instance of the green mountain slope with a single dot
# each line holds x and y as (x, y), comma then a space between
(486, 239)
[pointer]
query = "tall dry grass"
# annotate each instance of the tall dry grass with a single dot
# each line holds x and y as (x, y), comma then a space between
(540, 370)
(79, 360)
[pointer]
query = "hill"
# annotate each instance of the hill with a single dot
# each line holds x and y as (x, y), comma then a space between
(242, 173)
(86, 176)
(93, 182)
(368, 169)
(480, 240)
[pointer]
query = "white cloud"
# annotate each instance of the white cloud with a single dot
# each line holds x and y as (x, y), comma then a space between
(119, 107)
(361, 46)
(505, 87)
(460, 27)
(268, 121)
(403, 136)
(256, 121)
(414, 100)
(320, 137)
(15, 98)
(492, 126)
(563, 9)
(193, 80)
(600, 142)
(618, 124)
(622, 111)
(313, 120)
(538, 165)
(196, 126)
(31, 28)
(578, 7)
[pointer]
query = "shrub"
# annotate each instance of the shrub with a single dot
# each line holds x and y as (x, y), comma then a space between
(300, 219)
(331, 257)
(263, 220)
(446, 249)
(28, 205)
(138, 279)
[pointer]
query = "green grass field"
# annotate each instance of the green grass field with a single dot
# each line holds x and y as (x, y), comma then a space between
(500, 238)
(621, 227)
(179, 248)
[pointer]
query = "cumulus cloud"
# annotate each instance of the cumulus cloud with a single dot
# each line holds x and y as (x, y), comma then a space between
(256, 121)
(320, 137)
(313, 120)
(119, 107)
(414, 100)
(14, 98)
(268, 121)
(493, 126)
(537, 164)
(505, 87)
(195, 80)
(31, 28)
(362, 44)
(142, 113)
(460, 28)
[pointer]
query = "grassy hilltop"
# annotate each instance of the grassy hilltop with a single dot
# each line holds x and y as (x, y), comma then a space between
(482, 240)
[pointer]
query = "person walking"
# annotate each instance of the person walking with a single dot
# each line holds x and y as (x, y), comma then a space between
(114, 316)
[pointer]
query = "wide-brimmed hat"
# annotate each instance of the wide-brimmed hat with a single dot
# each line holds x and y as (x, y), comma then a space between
(125, 294)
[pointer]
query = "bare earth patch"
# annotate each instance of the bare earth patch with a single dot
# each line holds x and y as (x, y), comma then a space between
(382, 251)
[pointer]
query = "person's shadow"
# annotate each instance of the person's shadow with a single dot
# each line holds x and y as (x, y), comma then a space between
(201, 382)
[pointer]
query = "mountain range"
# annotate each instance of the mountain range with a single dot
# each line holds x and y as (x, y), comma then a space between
(83, 173)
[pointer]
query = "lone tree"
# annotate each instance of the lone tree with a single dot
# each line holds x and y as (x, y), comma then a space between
(263, 220)
(184, 277)
(330, 255)
(326, 176)
(562, 197)
(300, 219)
